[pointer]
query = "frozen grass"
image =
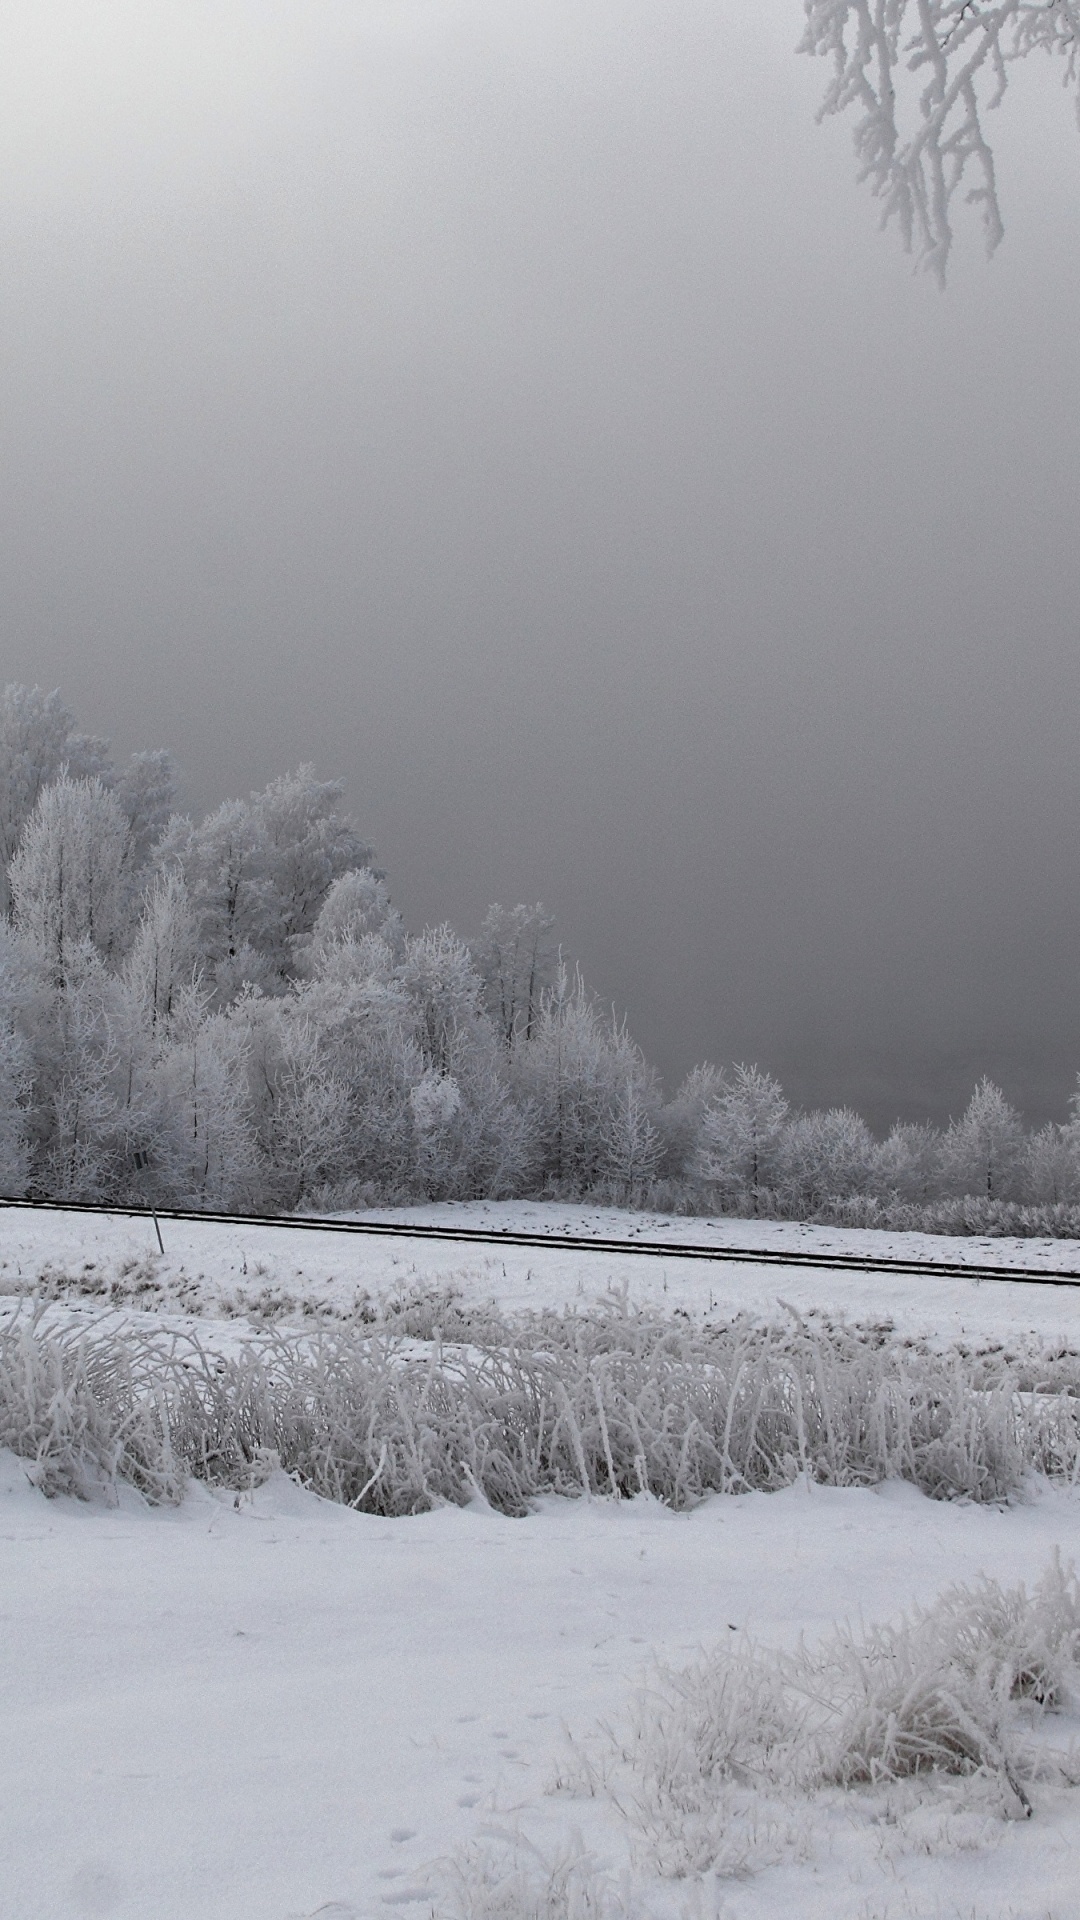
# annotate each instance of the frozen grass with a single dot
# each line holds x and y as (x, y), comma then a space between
(605, 1402)
(514, 1880)
(716, 1758)
(957, 1215)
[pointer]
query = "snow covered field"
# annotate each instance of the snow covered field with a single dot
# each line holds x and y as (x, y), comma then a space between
(267, 1706)
(209, 1270)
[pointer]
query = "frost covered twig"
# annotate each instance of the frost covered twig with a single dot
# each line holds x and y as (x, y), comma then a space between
(921, 73)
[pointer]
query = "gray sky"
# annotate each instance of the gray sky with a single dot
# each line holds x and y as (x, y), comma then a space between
(512, 406)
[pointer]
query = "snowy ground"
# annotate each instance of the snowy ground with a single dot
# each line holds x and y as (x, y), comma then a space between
(214, 1271)
(273, 1708)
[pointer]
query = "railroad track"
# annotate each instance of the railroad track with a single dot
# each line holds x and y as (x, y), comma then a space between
(575, 1242)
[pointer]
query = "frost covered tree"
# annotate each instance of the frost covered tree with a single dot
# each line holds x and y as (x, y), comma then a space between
(77, 1082)
(212, 1153)
(907, 1163)
(741, 1134)
(633, 1143)
(145, 792)
(258, 872)
(681, 1119)
(16, 1079)
(38, 740)
(470, 1136)
(67, 877)
(297, 1102)
(163, 960)
(590, 1098)
(309, 843)
(445, 992)
(1051, 1166)
(222, 864)
(515, 962)
(15, 1082)
(920, 76)
(981, 1152)
(356, 909)
(825, 1155)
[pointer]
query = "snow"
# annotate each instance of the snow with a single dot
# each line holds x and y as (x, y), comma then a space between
(263, 1707)
(213, 1270)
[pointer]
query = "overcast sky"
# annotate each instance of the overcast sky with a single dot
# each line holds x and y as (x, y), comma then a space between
(511, 406)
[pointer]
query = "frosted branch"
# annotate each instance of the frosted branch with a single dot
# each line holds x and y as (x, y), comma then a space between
(920, 75)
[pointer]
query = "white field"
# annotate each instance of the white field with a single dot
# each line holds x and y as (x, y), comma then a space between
(210, 1271)
(273, 1707)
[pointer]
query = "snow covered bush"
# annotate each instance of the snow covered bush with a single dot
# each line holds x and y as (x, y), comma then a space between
(712, 1757)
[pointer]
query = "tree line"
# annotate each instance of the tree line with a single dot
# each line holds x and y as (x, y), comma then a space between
(230, 1013)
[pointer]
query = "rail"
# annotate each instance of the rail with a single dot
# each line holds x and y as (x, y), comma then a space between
(578, 1243)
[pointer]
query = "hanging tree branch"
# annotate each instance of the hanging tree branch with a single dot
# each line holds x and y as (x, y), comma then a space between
(920, 74)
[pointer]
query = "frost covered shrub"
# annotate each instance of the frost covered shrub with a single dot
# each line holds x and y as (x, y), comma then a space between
(939, 1692)
(608, 1403)
(515, 1881)
(711, 1755)
(968, 1214)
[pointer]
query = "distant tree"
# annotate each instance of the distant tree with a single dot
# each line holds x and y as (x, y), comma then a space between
(145, 792)
(920, 75)
(1051, 1166)
(1053, 1158)
(258, 872)
(633, 1143)
(356, 909)
(163, 961)
(212, 1149)
(680, 1121)
(740, 1138)
(310, 843)
(981, 1152)
(445, 993)
(38, 740)
(587, 1090)
(824, 1155)
(907, 1163)
(298, 1103)
(67, 877)
(469, 1135)
(77, 1081)
(515, 962)
(16, 1078)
